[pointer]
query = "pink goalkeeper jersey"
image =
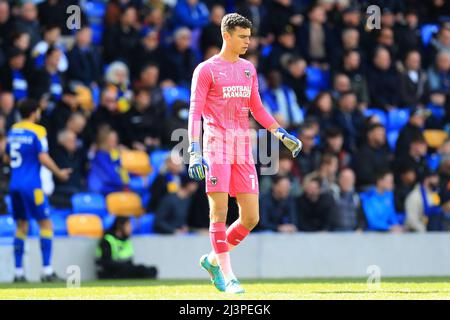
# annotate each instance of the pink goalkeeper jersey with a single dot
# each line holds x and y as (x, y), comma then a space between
(223, 93)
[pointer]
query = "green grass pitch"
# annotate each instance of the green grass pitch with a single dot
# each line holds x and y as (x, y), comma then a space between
(298, 289)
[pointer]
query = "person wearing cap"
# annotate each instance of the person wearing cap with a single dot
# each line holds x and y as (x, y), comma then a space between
(115, 252)
(171, 216)
(422, 205)
(14, 76)
(413, 128)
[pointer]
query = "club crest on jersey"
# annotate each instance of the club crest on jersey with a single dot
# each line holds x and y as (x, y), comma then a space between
(213, 180)
(247, 73)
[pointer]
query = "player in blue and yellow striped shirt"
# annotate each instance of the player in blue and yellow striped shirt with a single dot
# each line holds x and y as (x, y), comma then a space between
(27, 150)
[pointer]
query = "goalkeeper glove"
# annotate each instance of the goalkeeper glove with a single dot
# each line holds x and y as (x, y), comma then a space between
(290, 141)
(197, 163)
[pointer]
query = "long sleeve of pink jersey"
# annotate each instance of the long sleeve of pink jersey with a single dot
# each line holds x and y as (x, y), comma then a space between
(260, 114)
(201, 81)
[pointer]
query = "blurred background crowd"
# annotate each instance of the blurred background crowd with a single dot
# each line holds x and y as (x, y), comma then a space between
(371, 106)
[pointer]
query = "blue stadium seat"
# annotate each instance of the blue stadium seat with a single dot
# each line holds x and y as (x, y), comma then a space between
(60, 212)
(7, 226)
(143, 224)
(317, 78)
(94, 10)
(392, 137)
(107, 221)
(436, 111)
(266, 50)
(8, 204)
(172, 94)
(59, 225)
(97, 33)
(311, 93)
(433, 161)
(157, 159)
(397, 118)
(427, 31)
(89, 203)
(377, 112)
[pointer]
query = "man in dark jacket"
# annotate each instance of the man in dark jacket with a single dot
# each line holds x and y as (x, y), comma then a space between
(413, 128)
(277, 208)
(114, 254)
(315, 209)
(374, 156)
(84, 60)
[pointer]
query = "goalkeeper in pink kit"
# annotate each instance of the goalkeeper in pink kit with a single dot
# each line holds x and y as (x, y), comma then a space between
(224, 90)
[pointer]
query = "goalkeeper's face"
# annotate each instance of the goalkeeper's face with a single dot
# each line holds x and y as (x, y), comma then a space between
(238, 40)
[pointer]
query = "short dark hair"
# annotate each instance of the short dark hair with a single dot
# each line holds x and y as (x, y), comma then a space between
(27, 107)
(278, 177)
(333, 132)
(381, 174)
(233, 20)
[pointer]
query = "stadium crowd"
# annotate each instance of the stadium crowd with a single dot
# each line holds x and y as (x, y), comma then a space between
(371, 106)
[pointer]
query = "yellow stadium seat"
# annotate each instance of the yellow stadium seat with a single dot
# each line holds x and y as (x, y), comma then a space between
(136, 162)
(84, 97)
(84, 225)
(435, 138)
(124, 204)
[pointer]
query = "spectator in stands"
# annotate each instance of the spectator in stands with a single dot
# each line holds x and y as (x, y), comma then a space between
(48, 80)
(106, 173)
(416, 157)
(171, 216)
(322, 109)
(352, 68)
(348, 214)
(423, 210)
(84, 60)
(254, 11)
(334, 142)
(6, 25)
(349, 119)
(350, 41)
(67, 154)
(326, 172)
(314, 37)
(147, 51)
(77, 124)
(120, 39)
(4, 171)
(372, 157)
(314, 208)
(143, 123)
(294, 76)
(167, 181)
(310, 159)
(115, 252)
(21, 40)
(14, 76)
(385, 39)
(407, 33)
(284, 46)
(52, 38)
(28, 22)
(190, 13)
(444, 168)
(405, 184)
(413, 81)
(285, 168)
(180, 60)
(178, 120)
(441, 42)
(378, 205)
(106, 113)
(439, 73)
(211, 34)
(117, 78)
(8, 110)
(281, 102)
(413, 128)
(282, 12)
(382, 80)
(149, 79)
(341, 84)
(277, 207)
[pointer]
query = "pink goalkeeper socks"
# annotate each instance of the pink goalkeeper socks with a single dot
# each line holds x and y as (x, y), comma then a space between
(218, 236)
(236, 233)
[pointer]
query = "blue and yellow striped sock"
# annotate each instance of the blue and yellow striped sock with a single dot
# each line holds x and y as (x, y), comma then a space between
(46, 246)
(19, 248)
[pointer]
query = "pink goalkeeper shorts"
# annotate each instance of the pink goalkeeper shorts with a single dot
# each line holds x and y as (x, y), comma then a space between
(233, 178)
